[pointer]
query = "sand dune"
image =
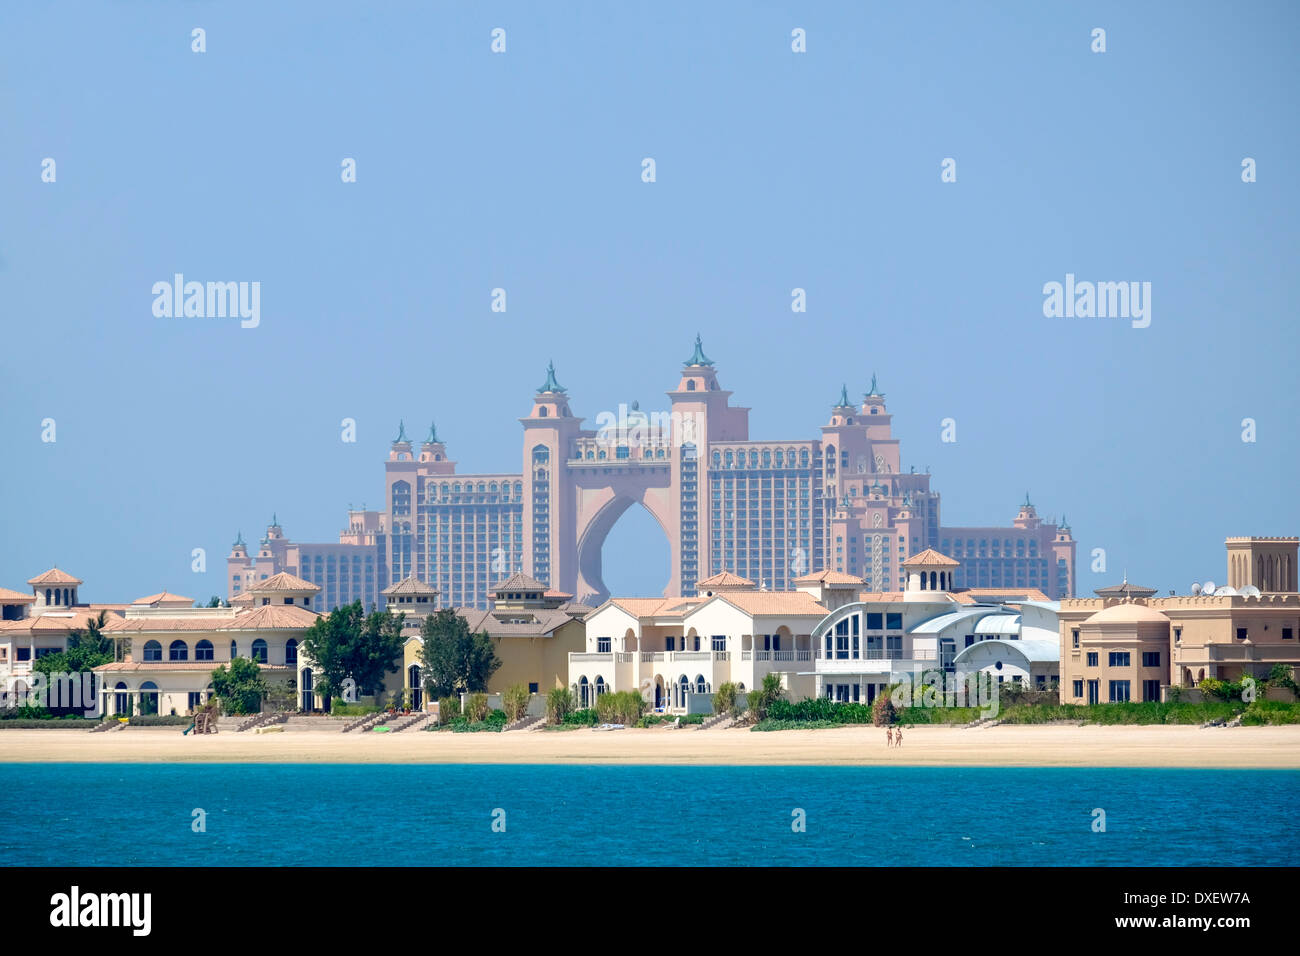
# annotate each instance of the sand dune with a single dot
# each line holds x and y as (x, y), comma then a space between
(1043, 746)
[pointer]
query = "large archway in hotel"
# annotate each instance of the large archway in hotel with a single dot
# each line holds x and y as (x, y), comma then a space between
(600, 509)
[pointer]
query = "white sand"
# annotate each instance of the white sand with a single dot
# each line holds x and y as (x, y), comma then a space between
(1040, 746)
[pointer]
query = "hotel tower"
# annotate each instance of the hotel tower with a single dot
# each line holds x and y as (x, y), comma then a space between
(771, 511)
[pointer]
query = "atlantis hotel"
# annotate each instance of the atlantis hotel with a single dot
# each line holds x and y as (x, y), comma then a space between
(770, 511)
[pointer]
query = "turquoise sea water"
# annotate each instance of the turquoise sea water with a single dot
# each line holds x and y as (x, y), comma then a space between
(393, 815)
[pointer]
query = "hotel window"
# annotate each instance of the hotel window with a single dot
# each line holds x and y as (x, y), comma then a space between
(1287, 634)
(697, 642)
(259, 651)
(152, 651)
(1074, 636)
(603, 645)
(1241, 633)
(196, 699)
(1092, 658)
(1078, 688)
(1151, 690)
(203, 651)
(670, 643)
(719, 642)
(1178, 635)
(1119, 691)
(178, 651)
(1150, 658)
(1119, 659)
(291, 652)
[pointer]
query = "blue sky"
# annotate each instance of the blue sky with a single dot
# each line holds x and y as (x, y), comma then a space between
(522, 170)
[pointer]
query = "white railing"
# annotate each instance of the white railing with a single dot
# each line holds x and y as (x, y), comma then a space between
(746, 655)
(624, 658)
(690, 655)
(649, 657)
(580, 658)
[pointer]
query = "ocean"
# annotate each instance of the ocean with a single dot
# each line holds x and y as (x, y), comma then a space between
(519, 815)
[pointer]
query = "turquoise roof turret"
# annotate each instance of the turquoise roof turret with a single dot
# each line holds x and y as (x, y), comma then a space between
(875, 391)
(551, 385)
(433, 435)
(401, 433)
(699, 358)
(844, 396)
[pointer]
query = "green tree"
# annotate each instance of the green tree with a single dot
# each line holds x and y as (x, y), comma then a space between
(214, 601)
(348, 644)
(240, 687)
(455, 659)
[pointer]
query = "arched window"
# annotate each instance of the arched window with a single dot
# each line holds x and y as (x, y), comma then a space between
(690, 385)
(152, 651)
(290, 652)
(203, 650)
(234, 650)
(683, 688)
(47, 595)
(701, 687)
(542, 412)
(600, 685)
(584, 692)
(121, 699)
(178, 651)
(148, 697)
(259, 651)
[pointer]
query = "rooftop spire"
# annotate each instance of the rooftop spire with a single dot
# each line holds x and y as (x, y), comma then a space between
(875, 391)
(551, 385)
(433, 434)
(239, 540)
(401, 433)
(1028, 503)
(698, 358)
(844, 395)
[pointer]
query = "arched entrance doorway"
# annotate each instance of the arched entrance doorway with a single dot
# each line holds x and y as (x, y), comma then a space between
(413, 684)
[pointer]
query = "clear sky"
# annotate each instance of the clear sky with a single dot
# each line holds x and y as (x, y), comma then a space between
(522, 170)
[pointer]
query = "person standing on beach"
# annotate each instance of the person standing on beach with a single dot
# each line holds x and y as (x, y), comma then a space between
(889, 736)
(898, 737)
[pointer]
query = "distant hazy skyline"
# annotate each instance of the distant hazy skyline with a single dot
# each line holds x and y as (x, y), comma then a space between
(522, 170)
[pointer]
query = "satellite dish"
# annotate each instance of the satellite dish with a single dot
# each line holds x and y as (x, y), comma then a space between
(1225, 591)
(1208, 588)
(1250, 591)
(1196, 587)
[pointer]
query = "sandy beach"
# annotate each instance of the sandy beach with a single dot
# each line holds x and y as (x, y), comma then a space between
(1040, 746)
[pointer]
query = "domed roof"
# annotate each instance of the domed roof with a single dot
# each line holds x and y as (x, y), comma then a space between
(1127, 614)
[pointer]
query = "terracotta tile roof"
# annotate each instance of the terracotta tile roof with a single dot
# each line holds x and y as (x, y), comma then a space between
(519, 582)
(15, 597)
(557, 594)
(271, 617)
(829, 577)
(1005, 594)
(880, 597)
(58, 622)
(241, 600)
(140, 625)
(411, 585)
(54, 576)
(930, 558)
(767, 603)
(164, 598)
(545, 621)
(724, 580)
(284, 581)
(646, 607)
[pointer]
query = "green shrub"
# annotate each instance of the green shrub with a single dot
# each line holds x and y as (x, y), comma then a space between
(623, 707)
(27, 723)
(583, 718)
(653, 720)
(156, 720)
(724, 698)
(476, 707)
(340, 709)
(515, 702)
(448, 709)
(559, 704)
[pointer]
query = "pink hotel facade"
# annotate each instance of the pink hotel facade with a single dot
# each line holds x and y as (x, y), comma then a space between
(771, 511)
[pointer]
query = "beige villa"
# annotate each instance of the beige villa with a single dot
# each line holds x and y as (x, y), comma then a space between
(1128, 644)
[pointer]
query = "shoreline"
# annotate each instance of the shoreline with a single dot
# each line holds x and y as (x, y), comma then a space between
(1147, 746)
